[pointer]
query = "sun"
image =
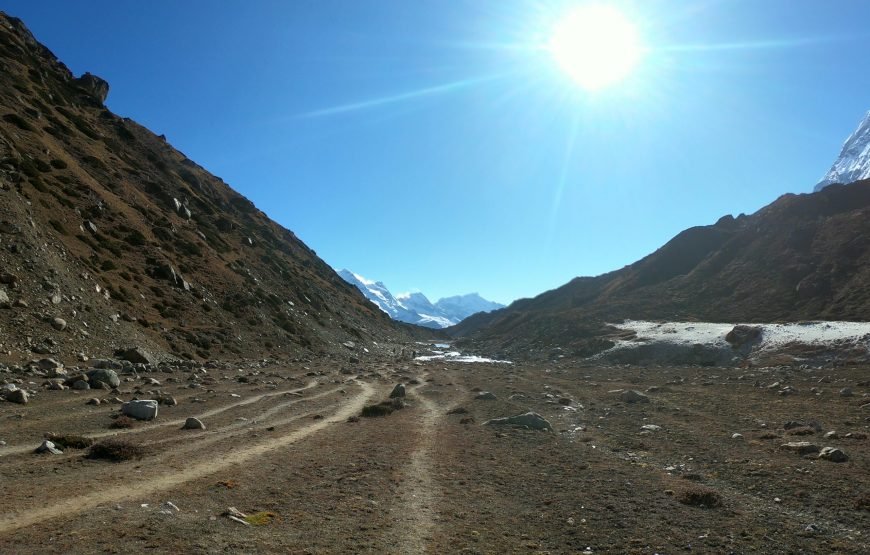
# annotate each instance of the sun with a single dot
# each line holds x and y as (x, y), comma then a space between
(596, 45)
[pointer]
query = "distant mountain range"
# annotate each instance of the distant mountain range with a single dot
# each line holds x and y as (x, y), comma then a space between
(415, 308)
(853, 164)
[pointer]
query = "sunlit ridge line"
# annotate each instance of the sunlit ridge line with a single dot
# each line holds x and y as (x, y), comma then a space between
(402, 97)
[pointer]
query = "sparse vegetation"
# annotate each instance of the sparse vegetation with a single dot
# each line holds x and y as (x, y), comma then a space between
(117, 450)
(384, 408)
(70, 441)
(122, 422)
(18, 121)
(699, 496)
(260, 519)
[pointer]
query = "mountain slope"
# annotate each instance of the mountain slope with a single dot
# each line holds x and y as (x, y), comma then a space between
(801, 257)
(853, 164)
(106, 226)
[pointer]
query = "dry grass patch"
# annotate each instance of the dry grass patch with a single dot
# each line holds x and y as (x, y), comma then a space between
(69, 441)
(116, 450)
(699, 496)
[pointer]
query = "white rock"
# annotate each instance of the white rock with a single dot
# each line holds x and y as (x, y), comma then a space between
(142, 409)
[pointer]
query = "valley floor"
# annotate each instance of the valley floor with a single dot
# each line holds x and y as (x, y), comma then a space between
(423, 480)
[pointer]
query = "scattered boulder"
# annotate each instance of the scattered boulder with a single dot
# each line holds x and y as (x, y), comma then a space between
(17, 396)
(833, 454)
(531, 420)
(193, 424)
(632, 396)
(81, 385)
(48, 447)
(140, 409)
(4, 299)
(135, 355)
(846, 392)
(742, 334)
(801, 447)
(59, 324)
(102, 375)
(485, 396)
(48, 364)
(398, 391)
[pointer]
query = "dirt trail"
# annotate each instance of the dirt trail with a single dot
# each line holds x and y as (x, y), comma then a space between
(417, 509)
(19, 449)
(78, 504)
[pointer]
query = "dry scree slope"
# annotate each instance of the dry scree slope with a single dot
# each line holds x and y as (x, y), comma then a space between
(128, 242)
(802, 257)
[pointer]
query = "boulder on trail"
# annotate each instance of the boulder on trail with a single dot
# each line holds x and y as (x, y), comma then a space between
(530, 420)
(398, 391)
(102, 375)
(140, 409)
(193, 424)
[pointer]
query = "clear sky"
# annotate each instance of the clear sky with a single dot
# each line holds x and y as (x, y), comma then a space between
(436, 146)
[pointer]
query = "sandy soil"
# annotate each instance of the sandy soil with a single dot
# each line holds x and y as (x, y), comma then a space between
(424, 481)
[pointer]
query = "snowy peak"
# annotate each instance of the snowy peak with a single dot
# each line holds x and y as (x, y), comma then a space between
(416, 308)
(463, 306)
(853, 164)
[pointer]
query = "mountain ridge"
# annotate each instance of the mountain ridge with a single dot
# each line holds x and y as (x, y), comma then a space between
(853, 163)
(110, 237)
(415, 308)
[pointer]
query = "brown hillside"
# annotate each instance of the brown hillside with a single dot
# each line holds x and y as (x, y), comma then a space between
(106, 226)
(803, 257)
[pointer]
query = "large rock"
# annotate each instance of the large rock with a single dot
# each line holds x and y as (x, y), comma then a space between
(96, 87)
(135, 355)
(193, 424)
(531, 420)
(102, 375)
(48, 447)
(398, 391)
(140, 409)
(4, 299)
(48, 364)
(801, 447)
(632, 396)
(742, 334)
(833, 454)
(17, 396)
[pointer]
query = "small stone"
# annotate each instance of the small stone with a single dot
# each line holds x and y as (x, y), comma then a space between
(81, 385)
(93, 401)
(846, 392)
(485, 396)
(832, 435)
(833, 454)
(193, 424)
(651, 427)
(104, 376)
(736, 436)
(59, 324)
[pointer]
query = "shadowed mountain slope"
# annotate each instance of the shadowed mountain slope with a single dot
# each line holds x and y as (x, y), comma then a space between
(107, 227)
(802, 257)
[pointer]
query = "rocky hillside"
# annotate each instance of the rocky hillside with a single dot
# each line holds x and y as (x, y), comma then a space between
(110, 237)
(802, 257)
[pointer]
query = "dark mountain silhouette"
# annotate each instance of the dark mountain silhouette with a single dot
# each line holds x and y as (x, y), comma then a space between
(108, 228)
(802, 257)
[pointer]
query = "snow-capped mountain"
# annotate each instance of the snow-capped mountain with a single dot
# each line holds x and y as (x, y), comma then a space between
(463, 306)
(416, 308)
(853, 164)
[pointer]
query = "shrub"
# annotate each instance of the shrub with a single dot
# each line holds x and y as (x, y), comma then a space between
(384, 408)
(58, 164)
(122, 422)
(70, 441)
(116, 450)
(699, 496)
(18, 121)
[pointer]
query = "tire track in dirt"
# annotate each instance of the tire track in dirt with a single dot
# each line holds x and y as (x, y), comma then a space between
(19, 449)
(417, 508)
(81, 503)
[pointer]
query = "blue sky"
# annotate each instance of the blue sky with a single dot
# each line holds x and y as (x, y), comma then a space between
(432, 145)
